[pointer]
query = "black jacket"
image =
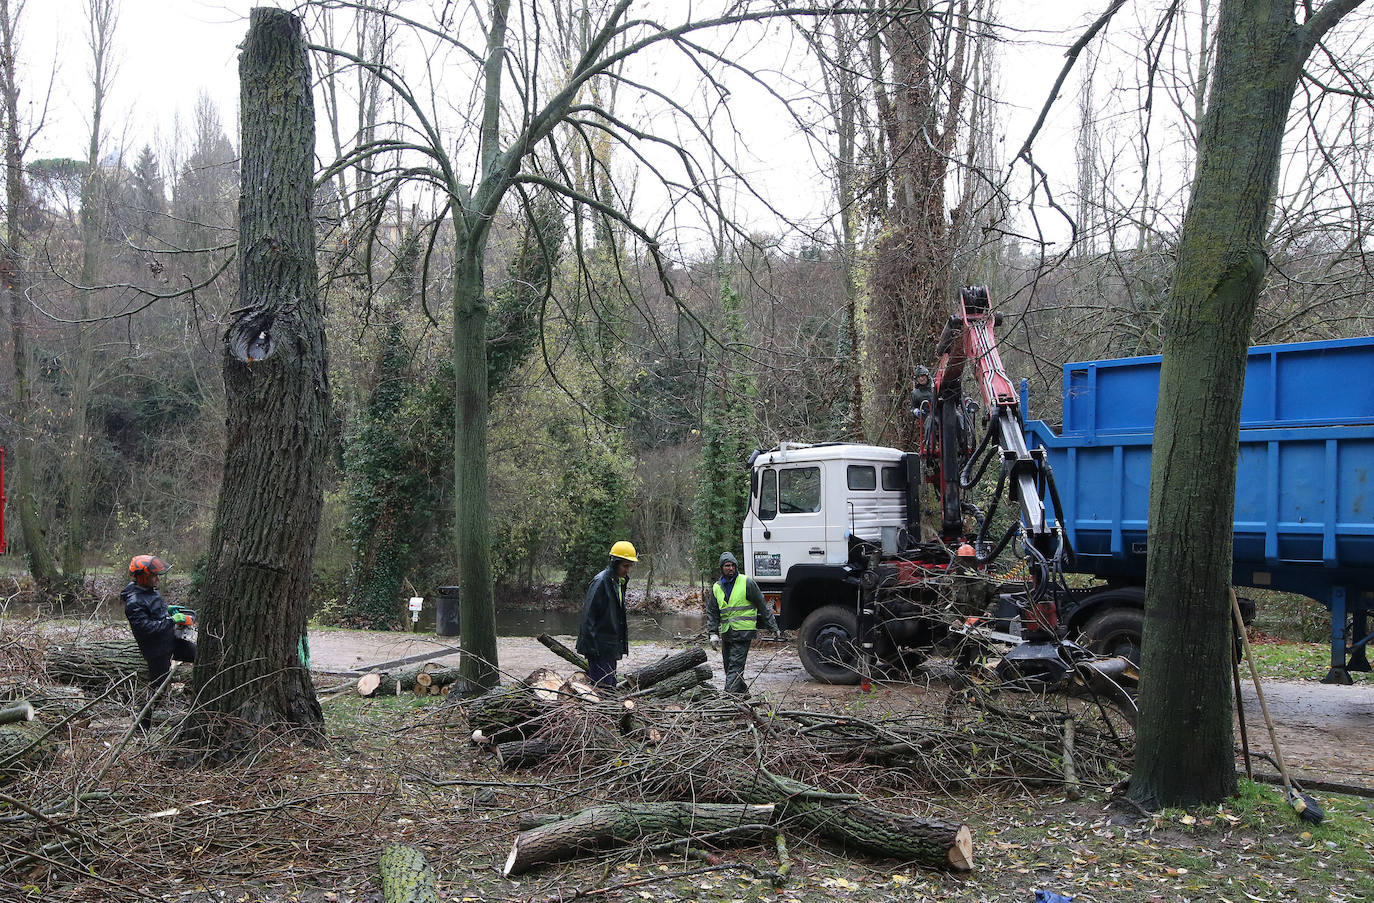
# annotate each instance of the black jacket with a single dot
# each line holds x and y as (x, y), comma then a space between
(147, 614)
(605, 633)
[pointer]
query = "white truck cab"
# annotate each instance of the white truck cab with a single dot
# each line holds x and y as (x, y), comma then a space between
(804, 501)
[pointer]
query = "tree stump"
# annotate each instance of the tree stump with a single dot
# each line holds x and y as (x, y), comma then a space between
(602, 826)
(407, 876)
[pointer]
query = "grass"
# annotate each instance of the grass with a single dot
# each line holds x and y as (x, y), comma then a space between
(1296, 661)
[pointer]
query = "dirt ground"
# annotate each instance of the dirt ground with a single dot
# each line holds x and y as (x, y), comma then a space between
(1326, 732)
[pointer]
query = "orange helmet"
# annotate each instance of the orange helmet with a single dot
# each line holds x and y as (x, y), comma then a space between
(144, 566)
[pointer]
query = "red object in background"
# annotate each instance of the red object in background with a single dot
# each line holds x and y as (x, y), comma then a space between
(3, 547)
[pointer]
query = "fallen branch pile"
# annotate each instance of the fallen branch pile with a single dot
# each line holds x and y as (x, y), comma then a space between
(667, 737)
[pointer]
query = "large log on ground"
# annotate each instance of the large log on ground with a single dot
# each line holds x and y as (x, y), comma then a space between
(387, 683)
(665, 668)
(406, 876)
(97, 664)
(519, 753)
(505, 713)
(863, 826)
(684, 680)
(602, 826)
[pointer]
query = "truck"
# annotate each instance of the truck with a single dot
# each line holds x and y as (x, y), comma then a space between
(834, 533)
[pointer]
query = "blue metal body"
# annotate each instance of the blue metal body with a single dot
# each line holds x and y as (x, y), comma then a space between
(1304, 516)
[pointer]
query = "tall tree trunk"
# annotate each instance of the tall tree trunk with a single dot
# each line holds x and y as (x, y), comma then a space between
(1185, 752)
(912, 275)
(25, 498)
(101, 23)
(477, 615)
(251, 668)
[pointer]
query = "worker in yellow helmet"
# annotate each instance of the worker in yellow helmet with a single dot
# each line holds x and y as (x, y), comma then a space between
(605, 635)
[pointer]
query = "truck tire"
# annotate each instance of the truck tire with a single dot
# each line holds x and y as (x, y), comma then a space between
(1115, 631)
(826, 644)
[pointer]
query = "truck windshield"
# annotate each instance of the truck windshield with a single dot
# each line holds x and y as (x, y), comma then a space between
(799, 490)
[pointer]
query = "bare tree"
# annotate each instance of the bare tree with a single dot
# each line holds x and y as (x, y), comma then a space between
(510, 123)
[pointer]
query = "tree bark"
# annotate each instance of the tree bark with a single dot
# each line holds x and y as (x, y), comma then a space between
(1185, 689)
(665, 668)
(25, 496)
(252, 661)
(406, 876)
(603, 826)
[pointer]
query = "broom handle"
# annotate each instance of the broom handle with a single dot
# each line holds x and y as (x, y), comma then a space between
(1259, 691)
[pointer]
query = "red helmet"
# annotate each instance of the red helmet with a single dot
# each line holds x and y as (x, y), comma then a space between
(144, 566)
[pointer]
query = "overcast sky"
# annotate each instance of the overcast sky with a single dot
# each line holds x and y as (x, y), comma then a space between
(168, 51)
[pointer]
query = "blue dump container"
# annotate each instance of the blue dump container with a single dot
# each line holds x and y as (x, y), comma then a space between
(1304, 518)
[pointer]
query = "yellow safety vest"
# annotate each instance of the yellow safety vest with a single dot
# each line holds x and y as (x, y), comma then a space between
(736, 613)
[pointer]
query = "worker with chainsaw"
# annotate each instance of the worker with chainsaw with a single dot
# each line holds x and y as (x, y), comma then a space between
(154, 626)
(605, 634)
(732, 614)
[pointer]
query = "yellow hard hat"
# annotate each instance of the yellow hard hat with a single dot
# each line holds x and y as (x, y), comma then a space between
(624, 550)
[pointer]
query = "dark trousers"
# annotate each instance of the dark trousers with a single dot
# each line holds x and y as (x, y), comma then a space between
(602, 672)
(733, 653)
(158, 652)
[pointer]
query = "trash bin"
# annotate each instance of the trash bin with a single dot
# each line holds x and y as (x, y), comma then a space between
(446, 612)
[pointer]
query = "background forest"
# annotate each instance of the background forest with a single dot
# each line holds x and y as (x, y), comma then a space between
(630, 370)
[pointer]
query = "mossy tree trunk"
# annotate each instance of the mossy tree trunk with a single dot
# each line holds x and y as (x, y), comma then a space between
(251, 668)
(1185, 751)
(24, 496)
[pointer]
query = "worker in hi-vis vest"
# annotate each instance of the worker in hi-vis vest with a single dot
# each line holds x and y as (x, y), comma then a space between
(732, 615)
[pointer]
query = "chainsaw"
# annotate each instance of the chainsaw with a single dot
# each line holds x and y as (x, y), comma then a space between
(186, 630)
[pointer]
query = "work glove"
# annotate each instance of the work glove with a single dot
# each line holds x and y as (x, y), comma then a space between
(715, 642)
(178, 619)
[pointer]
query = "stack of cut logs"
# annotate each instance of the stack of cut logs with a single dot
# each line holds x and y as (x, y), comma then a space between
(429, 679)
(672, 737)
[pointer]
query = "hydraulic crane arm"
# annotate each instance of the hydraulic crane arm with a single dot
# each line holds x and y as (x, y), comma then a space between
(948, 452)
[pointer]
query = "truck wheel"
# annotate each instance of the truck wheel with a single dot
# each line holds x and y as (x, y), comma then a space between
(1115, 631)
(826, 644)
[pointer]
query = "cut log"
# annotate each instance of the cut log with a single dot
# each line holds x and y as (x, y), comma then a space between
(544, 684)
(677, 683)
(505, 713)
(406, 876)
(390, 683)
(665, 668)
(519, 753)
(602, 826)
(563, 652)
(97, 665)
(19, 711)
(441, 676)
(863, 826)
(579, 690)
(22, 749)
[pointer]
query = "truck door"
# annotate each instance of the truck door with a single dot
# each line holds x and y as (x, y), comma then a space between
(786, 521)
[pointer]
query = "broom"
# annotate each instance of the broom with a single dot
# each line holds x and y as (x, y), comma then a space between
(1304, 805)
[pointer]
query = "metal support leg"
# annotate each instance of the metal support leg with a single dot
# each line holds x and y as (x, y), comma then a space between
(1338, 673)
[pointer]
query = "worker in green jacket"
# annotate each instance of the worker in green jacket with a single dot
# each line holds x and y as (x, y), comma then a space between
(732, 615)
